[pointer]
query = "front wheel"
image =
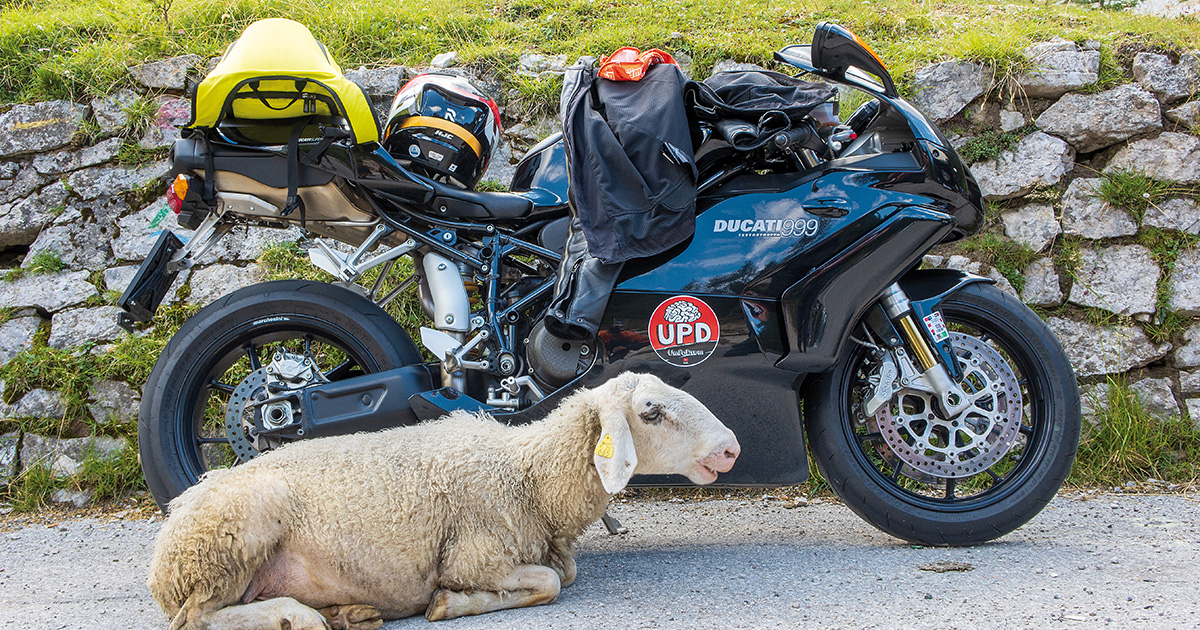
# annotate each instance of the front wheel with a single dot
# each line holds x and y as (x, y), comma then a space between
(928, 479)
(209, 400)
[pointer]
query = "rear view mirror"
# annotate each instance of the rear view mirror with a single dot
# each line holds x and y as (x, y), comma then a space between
(835, 48)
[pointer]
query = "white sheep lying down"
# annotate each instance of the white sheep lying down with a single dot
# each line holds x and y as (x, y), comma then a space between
(459, 516)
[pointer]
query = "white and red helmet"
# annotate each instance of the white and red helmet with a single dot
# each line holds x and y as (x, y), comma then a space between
(445, 126)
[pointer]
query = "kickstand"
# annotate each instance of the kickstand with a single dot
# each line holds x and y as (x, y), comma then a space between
(612, 525)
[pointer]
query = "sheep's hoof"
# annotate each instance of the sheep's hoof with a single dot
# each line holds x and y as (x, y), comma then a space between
(352, 617)
(439, 605)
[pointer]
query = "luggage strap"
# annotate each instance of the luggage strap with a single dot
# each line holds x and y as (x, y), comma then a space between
(209, 192)
(329, 135)
(293, 172)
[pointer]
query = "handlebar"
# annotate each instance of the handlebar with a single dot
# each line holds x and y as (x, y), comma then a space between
(745, 136)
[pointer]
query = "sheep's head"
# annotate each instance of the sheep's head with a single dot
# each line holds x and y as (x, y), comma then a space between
(649, 427)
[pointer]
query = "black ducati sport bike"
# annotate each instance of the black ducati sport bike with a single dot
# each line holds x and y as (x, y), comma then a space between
(939, 408)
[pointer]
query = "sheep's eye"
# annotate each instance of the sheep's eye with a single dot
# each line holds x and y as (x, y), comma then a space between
(652, 414)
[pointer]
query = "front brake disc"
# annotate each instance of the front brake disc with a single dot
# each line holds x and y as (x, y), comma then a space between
(915, 428)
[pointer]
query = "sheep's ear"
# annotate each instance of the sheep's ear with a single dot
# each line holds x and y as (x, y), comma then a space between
(614, 455)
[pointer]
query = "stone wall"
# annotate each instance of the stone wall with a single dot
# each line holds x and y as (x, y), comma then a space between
(66, 196)
(1097, 278)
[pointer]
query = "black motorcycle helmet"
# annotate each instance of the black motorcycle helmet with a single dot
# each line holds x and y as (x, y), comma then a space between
(443, 127)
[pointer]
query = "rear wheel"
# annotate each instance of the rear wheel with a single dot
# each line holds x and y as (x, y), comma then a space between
(203, 399)
(929, 479)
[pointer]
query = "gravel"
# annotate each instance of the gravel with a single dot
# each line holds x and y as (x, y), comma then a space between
(1090, 559)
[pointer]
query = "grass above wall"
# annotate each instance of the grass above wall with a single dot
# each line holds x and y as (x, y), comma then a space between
(81, 48)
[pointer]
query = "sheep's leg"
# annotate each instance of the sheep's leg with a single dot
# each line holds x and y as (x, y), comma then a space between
(353, 617)
(527, 585)
(280, 613)
(561, 558)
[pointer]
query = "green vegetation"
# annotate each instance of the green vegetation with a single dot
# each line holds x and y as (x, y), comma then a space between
(132, 154)
(111, 478)
(1002, 50)
(82, 48)
(132, 357)
(89, 133)
(44, 367)
(72, 372)
(990, 143)
(106, 478)
(1067, 253)
(1110, 74)
(1103, 317)
(1135, 192)
(491, 185)
(1128, 442)
(140, 116)
(537, 97)
(43, 261)
(1167, 324)
(31, 489)
(1008, 257)
(281, 261)
(1166, 246)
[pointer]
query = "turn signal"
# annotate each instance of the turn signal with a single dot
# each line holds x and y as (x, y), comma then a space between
(176, 193)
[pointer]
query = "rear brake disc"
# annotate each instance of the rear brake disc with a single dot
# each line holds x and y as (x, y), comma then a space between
(240, 415)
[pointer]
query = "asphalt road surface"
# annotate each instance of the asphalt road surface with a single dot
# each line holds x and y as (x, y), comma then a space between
(1089, 560)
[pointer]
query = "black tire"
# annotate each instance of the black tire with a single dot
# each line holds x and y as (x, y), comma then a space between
(177, 440)
(924, 509)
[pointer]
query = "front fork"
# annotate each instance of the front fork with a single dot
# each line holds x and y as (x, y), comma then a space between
(935, 369)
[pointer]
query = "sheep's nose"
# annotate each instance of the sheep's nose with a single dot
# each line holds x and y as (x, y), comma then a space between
(733, 449)
(724, 458)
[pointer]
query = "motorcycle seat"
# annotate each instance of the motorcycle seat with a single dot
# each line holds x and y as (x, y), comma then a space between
(445, 201)
(457, 203)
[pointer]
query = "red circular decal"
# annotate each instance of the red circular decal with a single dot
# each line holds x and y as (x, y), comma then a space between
(684, 331)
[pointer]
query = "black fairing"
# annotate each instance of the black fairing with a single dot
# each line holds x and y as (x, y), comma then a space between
(788, 264)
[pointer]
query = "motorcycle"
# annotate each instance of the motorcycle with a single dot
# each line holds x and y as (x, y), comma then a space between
(937, 407)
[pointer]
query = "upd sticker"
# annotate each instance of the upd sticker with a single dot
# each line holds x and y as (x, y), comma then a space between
(684, 331)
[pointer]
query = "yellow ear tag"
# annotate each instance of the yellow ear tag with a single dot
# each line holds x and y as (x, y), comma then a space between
(605, 447)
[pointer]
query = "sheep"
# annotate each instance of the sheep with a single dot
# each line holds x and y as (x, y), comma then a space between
(458, 516)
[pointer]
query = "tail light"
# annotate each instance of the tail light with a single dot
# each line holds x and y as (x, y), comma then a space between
(176, 193)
